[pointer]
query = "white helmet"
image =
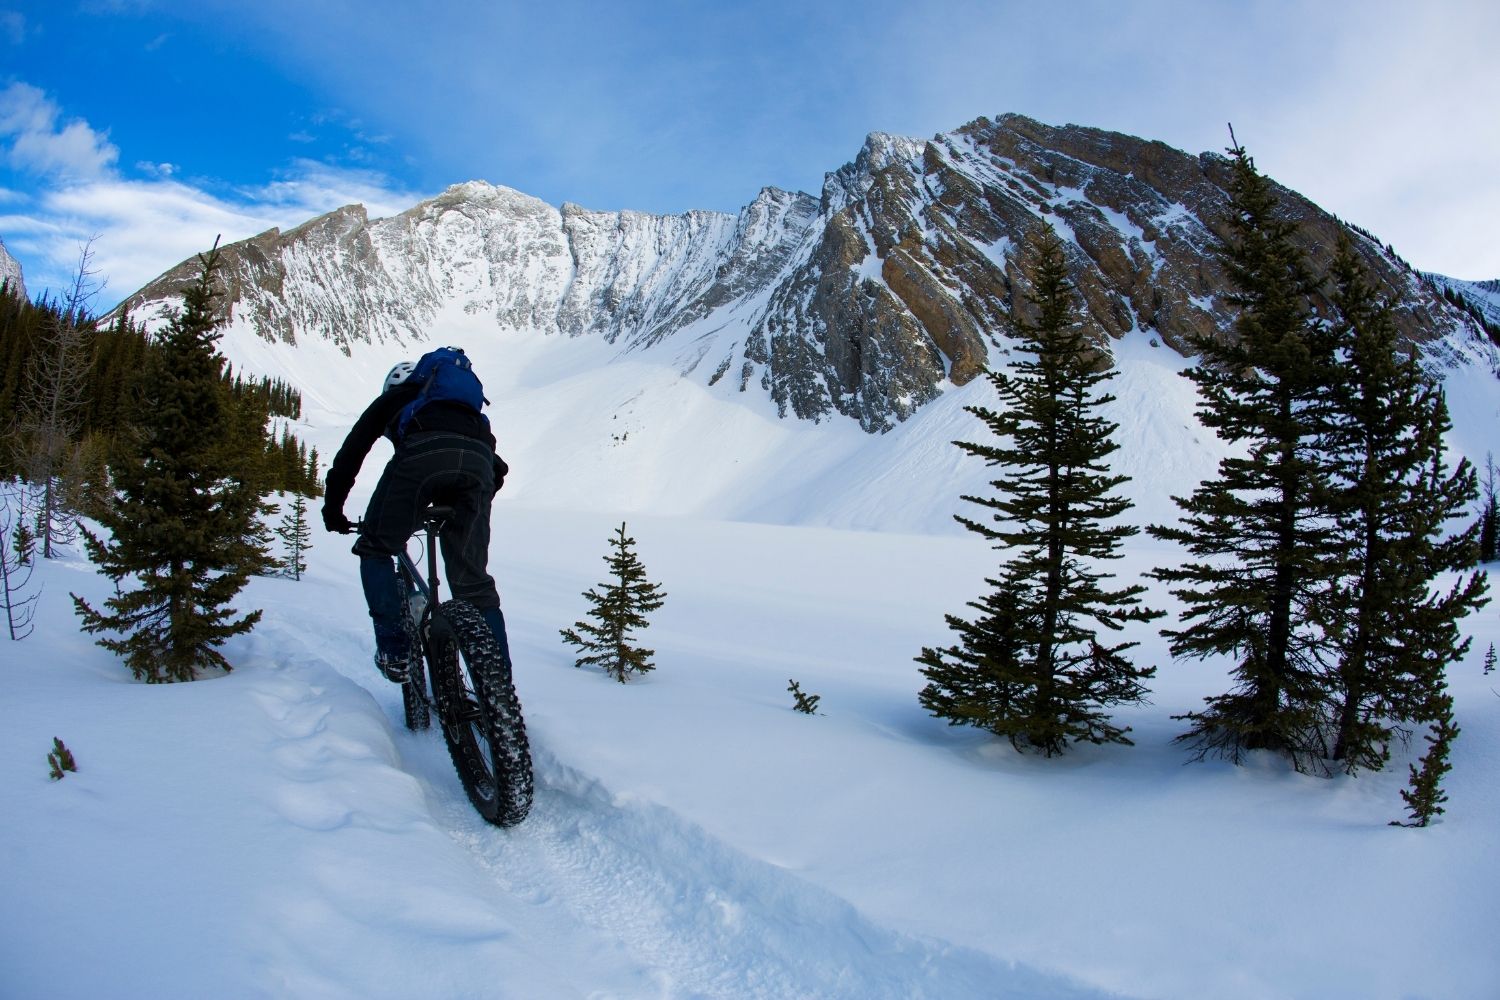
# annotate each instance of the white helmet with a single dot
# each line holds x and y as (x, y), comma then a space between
(398, 374)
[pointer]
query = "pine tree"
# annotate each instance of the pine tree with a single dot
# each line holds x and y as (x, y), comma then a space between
(312, 485)
(805, 703)
(1392, 631)
(1489, 659)
(185, 522)
(1489, 517)
(1031, 668)
(620, 607)
(1259, 531)
(1424, 795)
(60, 760)
(296, 537)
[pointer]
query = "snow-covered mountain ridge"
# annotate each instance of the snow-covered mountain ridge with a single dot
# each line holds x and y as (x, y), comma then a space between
(869, 301)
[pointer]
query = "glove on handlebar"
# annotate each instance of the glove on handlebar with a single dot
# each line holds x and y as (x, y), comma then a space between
(335, 521)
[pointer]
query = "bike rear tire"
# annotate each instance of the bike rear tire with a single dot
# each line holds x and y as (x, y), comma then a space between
(481, 714)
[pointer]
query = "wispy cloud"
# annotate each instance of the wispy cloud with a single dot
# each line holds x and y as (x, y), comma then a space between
(144, 226)
(38, 142)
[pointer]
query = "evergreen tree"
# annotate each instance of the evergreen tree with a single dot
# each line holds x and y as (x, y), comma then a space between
(1489, 659)
(60, 760)
(296, 537)
(1393, 634)
(312, 485)
(802, 702)
(1031, 668)
(188, 498)
(1424, 795)
(1489, 516)
(620, 607)
(1264, 550)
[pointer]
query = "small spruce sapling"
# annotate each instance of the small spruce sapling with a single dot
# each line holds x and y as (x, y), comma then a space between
(1424, 796)
(296, 536)
(1489, 659)
(60, 759)
(807, 704)
(620, 607)
(23, 543)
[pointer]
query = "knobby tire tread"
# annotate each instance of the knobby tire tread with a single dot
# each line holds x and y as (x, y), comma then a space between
(414, 703)
(504, 796)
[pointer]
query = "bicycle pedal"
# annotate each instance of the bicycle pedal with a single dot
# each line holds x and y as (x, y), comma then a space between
(396, 669)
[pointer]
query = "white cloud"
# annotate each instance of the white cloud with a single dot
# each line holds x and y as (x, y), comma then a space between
(36, 144)
(141, 228)
(156, 169)
(313, 188)
(146, 227)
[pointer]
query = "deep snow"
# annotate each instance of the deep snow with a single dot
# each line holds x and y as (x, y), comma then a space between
(276, 832)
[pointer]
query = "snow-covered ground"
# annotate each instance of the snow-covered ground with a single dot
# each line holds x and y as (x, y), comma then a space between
(276, 832)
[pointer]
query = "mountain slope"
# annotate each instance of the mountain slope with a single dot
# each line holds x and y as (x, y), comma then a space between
(869, 301)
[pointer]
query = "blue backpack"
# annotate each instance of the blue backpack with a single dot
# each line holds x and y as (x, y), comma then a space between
(444, 375)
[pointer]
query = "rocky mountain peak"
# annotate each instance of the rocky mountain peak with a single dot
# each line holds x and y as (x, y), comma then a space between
(866, 301)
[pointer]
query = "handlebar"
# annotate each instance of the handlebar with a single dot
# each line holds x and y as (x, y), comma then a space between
(433, 518)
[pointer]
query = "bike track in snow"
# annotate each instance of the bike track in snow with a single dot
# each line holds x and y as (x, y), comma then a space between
(708, 920)
(651, 903)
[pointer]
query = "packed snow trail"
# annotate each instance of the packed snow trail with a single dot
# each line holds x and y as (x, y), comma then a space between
(708, 920)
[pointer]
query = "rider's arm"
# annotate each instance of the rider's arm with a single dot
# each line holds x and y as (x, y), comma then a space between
(362, 436)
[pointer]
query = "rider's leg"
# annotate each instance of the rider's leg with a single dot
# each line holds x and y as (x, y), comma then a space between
(466, 545)
(495, 619)
(383, 596)
(389, 520)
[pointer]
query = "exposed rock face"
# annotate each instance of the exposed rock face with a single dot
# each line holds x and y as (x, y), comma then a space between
(866, 301)
(10, 272)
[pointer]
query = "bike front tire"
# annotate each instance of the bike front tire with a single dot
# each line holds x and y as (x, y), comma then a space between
(481, 715)
(414, 692)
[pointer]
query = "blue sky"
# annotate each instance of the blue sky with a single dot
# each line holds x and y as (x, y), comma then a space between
(155, 125)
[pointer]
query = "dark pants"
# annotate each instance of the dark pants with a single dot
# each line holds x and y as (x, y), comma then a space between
(447, 469)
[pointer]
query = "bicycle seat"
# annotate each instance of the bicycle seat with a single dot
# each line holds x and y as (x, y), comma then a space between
(437, 512)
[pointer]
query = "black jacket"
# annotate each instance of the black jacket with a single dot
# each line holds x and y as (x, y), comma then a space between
(379, 418)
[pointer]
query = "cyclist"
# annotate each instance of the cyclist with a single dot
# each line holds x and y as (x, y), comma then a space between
(445, 454)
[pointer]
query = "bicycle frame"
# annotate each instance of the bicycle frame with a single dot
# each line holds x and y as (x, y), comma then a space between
(434, 519)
